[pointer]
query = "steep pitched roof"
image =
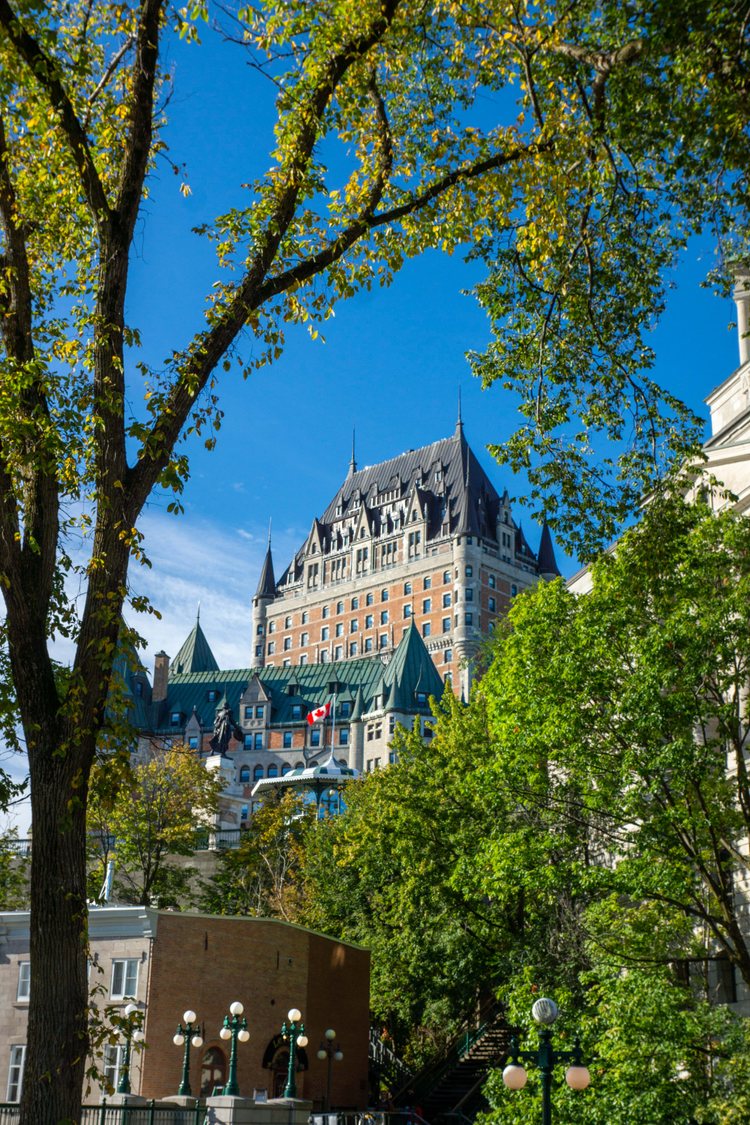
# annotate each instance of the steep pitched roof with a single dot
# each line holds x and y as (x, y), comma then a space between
(410, 670)
(266, 582)
(195, 654)
(547, 563)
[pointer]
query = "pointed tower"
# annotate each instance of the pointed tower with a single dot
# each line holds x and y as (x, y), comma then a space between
(195, 654)
(353, 462)
(262, 600)
(547, 563)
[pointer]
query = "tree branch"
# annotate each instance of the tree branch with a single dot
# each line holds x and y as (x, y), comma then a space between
(47, 73)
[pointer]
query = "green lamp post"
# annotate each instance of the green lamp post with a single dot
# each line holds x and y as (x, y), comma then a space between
(294, 1031)
(133, 1034)
(191, 1032)
(234, 1029)
(545, 1012)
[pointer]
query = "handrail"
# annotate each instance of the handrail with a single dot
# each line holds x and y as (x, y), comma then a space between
(457, 1050)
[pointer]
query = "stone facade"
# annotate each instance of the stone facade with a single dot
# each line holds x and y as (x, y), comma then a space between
(172, 962)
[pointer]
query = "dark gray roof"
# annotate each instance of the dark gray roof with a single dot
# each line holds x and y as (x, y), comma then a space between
(547, 563)
(266, 582)
(195, 654)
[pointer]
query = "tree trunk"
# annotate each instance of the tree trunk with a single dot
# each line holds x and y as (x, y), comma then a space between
(58, 1008)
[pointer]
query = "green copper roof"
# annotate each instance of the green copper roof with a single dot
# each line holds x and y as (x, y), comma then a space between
(195, 654)
(410, 671)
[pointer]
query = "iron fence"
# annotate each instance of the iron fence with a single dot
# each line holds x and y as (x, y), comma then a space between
(152, 1113)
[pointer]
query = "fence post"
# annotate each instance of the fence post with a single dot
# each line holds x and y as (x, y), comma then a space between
(151, 1112)
(103, 1112)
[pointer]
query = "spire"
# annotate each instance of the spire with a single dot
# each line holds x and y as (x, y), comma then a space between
(198, 615)
(195, 654)
(266, 582)
(459, 419)
(353, 462)
(547, 563)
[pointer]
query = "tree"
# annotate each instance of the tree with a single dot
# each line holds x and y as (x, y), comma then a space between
(89, 428)
(139, 815)
(262, 877)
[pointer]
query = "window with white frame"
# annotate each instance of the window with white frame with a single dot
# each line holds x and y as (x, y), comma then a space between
(113, 1059)
(24, 980)
(15, 1072)
(124, 978)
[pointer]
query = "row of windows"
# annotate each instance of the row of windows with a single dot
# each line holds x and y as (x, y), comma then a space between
(123, 982)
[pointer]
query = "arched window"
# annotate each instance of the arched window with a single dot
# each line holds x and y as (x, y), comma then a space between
(257, 773)
(273, 771)
(245, 773)
(213, 1071)
(276, 1059)
(285, 769)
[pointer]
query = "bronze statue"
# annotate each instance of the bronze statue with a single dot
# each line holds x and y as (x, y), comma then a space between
(224, 729)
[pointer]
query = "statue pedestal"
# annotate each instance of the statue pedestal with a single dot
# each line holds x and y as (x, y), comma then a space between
(126, 1099)
(224, 1110)
(184, 1100)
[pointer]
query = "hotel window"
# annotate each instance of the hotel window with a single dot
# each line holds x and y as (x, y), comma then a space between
(384, 617)
(271, 648)
(287, 643)
(248, 742)
(15, 1072)
(245, 774)
(287, 740)
(272, 627)
(273, 771)
(353, 650)
(324, 633)
(260, 711)
(257, 773)
(338, 652)
(324, 656)
(470, 572)
(384, 595)
(468, 595)
(426, 629)
(407, 609)
(354, 626)
(368, 644)
(258, 742)
(339, 607)
(124, 978)
(369, 621)
(362, 559)
(174, 718)
(340, 629)
(315, 736)
(491, 605)
(491, 581)
(407, 587)
(355, 603)
(427, 584)
(446, 576)
(296, 711)
(343, 736)
(24, 980)
(193, 742)
(248, 712)
(303, 658)
(287, 622)
(426, 605)
(446, 624)
(384, 640)
(446, 600)
(259, 631)
(326, 610)
(345, 709)
(304, 639)
(469, 618)
(415, 540)
(513, 590)
(447, 656)
(305, 617)
(369, 599)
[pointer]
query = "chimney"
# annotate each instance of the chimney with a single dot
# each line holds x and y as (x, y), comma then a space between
(161, 675)
(742, 300)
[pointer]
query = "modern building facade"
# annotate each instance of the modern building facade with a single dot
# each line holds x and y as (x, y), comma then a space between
(166, 963)
(423, 538)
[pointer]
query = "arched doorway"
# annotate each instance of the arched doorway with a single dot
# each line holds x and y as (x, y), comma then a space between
(213, 1071)
(276, 1059)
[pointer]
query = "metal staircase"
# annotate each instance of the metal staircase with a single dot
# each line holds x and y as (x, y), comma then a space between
(451, 1089)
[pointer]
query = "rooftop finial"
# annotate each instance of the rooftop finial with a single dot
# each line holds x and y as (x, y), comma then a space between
(459, 420)
(353, 462)
(269, 532)
(198, 614)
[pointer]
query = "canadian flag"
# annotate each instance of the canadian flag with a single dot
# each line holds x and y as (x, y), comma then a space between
(319, 713)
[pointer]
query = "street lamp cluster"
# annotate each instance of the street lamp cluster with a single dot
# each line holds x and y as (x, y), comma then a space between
(329, 1049)
(235, 1028)
(545, 1012)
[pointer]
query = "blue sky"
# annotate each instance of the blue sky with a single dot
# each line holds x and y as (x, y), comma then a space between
(391, 368)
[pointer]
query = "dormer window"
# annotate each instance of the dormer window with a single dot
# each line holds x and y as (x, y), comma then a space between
(138, 689)
(296, 711)
(174, 718)
(421, 698)
(212, 695)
